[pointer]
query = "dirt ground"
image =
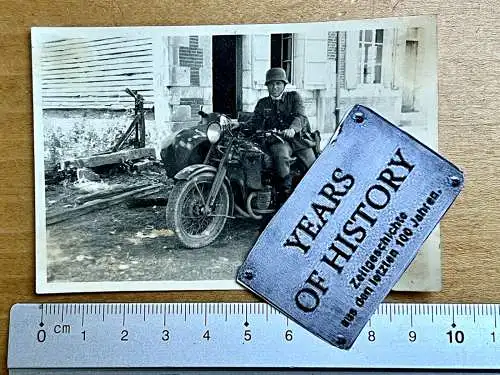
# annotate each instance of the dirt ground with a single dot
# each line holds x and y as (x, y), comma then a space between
(121, 243)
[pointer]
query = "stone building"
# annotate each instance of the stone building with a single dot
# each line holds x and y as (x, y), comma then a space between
(83, 80)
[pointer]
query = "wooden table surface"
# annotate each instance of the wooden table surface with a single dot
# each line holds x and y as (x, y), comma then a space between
(469, 81)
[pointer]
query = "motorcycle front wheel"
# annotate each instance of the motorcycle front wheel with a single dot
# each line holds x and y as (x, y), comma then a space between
(186, 214)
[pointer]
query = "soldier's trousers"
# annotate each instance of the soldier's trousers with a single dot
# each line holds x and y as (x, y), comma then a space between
(282, 157)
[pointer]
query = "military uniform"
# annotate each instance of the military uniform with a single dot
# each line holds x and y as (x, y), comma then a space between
(282, 113)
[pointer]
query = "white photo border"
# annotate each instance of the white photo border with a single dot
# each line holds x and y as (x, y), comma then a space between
(41, 34)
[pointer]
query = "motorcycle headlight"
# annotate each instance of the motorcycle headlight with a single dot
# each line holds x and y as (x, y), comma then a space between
(214, 132)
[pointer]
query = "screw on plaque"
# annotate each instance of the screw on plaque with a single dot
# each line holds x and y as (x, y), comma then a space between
(359, 117)
(454, 181)
(340, 340)
(248, 274)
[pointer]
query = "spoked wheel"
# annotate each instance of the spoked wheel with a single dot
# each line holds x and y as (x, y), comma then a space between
(186, 215)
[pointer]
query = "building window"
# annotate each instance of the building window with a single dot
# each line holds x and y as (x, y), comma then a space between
(370, 61)
(282, 53)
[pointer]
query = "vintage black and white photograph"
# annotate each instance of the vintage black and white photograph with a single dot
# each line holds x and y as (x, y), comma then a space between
(162, 152)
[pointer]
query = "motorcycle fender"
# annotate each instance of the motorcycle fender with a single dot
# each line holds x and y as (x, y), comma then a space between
(195, 170)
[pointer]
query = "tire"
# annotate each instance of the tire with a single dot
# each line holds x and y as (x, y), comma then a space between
(185, 203)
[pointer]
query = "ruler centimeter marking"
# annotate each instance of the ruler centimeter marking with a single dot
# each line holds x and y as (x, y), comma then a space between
(199, 335)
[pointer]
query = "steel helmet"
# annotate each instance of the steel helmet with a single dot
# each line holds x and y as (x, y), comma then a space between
(276, 74)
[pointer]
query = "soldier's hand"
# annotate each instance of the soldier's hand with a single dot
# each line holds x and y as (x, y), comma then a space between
(289, 133)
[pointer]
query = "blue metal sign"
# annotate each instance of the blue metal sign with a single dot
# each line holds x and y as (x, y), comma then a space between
(352, 226)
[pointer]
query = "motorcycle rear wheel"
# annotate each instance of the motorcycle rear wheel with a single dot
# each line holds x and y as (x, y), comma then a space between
(185, 216)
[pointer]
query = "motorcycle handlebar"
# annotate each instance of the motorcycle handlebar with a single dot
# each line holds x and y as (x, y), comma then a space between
(270, 132)
(278, 134)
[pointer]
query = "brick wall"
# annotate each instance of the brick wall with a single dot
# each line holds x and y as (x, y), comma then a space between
(194, 103)
(192, 57)
(190, 85)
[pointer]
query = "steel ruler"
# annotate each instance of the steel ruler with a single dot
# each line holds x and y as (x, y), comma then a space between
(170, 338)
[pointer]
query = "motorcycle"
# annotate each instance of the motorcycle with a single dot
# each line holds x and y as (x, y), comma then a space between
(221, 171)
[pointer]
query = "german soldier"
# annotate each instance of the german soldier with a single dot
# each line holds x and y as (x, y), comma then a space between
(284, 111)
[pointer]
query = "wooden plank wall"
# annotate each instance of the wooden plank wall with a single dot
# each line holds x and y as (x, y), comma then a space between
(93, 73)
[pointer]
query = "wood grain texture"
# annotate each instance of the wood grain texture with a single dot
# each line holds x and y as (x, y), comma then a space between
(469, 80)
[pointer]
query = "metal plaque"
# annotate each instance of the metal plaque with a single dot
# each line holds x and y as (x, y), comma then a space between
(353, 225)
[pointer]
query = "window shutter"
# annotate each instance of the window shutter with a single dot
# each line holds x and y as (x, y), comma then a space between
(352, 59)
(315, 60)
(388, 52)
(261, 51)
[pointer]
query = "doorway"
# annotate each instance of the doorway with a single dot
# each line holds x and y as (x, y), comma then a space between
(227, 74)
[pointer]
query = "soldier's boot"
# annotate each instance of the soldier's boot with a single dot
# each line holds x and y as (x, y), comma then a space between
(284, 190)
